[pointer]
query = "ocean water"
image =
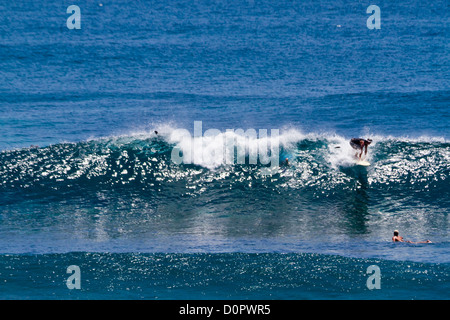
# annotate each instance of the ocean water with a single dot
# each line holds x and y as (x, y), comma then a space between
(85, 181)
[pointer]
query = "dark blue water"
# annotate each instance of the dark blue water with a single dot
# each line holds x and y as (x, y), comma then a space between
(85, 181)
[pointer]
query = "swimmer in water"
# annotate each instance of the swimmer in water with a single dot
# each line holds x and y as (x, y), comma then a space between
(398, 238)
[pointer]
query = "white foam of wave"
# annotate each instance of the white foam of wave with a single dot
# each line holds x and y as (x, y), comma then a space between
(215, 148)
(211, 151)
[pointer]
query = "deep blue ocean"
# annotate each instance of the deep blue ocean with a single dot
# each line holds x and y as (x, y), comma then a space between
(86, 181)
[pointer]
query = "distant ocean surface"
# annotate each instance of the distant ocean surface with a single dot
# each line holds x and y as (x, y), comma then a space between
(85, 181)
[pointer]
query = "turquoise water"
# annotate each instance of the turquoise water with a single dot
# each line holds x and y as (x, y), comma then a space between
(218, 276)
(85, 181)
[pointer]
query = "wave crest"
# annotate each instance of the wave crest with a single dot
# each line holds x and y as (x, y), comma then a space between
(143, 161)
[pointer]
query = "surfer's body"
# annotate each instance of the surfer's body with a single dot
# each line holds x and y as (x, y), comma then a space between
(360, 144)
(396, 237)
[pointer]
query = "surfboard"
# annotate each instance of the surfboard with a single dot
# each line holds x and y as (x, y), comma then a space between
(363, 163)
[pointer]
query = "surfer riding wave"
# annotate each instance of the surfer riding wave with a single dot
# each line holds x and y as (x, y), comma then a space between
(360, 144)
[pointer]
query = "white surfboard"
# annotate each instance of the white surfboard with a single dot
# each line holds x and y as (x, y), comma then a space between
(363, 163)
